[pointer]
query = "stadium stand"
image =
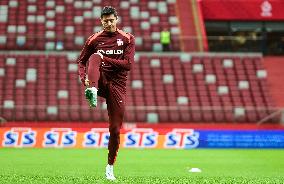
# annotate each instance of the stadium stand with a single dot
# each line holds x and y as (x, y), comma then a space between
(65, 25)
(162, 88)
(40, 84)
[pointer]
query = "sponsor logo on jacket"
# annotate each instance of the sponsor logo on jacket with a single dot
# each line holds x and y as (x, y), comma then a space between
(111, 52)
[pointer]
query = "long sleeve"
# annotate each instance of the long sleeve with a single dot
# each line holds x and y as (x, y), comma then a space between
(128, 57)
(83, 58)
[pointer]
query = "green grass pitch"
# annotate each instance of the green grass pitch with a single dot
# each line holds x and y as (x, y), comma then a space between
(141, 166)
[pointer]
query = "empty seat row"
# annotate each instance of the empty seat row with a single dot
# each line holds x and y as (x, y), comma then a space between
(65, 25)
(161, 88)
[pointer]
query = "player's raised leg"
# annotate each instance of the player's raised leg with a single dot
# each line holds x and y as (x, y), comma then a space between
(93, 78)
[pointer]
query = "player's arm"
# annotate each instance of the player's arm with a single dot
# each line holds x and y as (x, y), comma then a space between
(128, 57)
(83, 59)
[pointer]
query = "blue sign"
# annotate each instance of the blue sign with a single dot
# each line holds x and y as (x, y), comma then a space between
(241, 139)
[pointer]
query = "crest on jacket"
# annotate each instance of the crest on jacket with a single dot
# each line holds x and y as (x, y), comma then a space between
(119, 42)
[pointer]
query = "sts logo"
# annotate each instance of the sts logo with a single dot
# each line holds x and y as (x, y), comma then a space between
(60, 137)
(97, 137)
(141, 137)
(182, 138)
(19, 137)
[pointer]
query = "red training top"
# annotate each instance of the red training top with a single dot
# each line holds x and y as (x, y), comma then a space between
(118, 49)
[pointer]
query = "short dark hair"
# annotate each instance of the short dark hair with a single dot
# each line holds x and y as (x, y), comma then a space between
(108, 10)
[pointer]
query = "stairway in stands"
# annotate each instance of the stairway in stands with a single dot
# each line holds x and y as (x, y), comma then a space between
(274, 67)
(193, 36)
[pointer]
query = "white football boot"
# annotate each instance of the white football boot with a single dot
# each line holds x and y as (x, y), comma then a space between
(91, 96)
(109, 173)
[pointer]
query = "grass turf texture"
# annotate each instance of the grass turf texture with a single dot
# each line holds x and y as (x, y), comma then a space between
(141, 166)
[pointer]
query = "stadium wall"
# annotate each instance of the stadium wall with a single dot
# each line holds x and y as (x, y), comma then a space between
(161, 136)
(243, 10)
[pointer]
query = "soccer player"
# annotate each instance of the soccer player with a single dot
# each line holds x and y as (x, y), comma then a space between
(104, 63)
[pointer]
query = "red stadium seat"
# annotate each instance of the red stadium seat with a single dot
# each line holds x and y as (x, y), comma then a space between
(54, 85)
(46, 26)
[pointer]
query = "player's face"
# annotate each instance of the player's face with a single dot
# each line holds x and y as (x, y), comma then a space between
(109, 22)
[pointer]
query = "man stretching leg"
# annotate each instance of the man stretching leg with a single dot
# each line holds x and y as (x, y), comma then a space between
(106, 59)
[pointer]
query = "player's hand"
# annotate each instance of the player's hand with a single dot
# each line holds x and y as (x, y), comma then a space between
(87, 82)
(100, 55)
